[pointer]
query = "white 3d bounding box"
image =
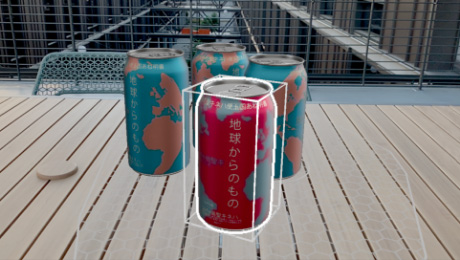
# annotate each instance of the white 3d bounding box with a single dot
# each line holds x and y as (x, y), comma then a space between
(232, 129)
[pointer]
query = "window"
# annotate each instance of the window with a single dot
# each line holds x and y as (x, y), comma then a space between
(363, 15)
(326, 7)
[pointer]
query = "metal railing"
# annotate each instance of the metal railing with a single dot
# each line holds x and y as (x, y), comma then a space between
(356, 42)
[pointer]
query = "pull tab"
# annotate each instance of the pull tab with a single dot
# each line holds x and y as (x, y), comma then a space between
(154, 55)
(264, 62)
(218, 48)
(242, 86)
(240, 89)
(160, 54)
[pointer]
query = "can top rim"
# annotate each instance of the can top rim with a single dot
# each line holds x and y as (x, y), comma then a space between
(276, 59)
(221, 47)
(155, 53)
(211, 86)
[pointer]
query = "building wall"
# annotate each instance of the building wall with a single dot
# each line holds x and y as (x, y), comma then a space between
(404, 32)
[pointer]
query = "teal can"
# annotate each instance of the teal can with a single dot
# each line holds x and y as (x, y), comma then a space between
(288, 69)
(154, 80)
(212, 59)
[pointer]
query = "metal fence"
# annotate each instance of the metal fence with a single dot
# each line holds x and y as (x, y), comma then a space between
(361, 42)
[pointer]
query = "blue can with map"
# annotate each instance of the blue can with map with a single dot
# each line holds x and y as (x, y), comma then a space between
(288, 69)
(154, 80)
(212, 59)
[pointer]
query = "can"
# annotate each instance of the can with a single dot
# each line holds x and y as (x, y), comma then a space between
(154, 79)
(289, 69)
(232, 195)
(212, 59)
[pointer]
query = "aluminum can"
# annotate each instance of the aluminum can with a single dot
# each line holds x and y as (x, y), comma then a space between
(289, 69)
(231, 195)
(212, 59)
(154, 79)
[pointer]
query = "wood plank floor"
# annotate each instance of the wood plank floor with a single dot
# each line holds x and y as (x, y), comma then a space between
(373, 180)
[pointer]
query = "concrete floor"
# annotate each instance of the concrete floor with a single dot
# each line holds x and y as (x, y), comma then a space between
(386, 95)
(330, 95)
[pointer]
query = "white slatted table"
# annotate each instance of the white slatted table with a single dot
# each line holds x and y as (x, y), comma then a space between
(322, 217)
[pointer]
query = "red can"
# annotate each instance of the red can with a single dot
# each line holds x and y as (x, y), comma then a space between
(235, 152)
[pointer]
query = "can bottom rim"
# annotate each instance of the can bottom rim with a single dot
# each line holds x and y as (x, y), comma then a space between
(288, 177)
(157, 175)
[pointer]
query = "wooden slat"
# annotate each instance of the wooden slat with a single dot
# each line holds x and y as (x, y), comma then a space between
(276, 237)
(167, 233)
(235, 249)
(54, 210)
(348, 240)
(424, 199)
(200, 243)
(384, 239)
(165, 238)
(443, 187)
(309, 230)
(14, 142)
(41, 145)
(96, 230)
(441, 137)
(65, 222)
(393, 198)
(10, 103)
(3, 99)
(28, 225)
(441, 120)
(131, 233)
(450, 114)
(19, 111)
(433, 211)
(30, 120)
(456, 109)
(438, 155)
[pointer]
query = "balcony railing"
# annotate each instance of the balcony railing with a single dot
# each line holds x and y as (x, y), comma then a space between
(359, 42)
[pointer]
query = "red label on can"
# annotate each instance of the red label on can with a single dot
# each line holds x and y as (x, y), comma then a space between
(234, 140)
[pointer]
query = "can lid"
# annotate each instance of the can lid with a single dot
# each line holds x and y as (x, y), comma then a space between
(220, 47)
(155, 53)
(276, 60)
(237, 87)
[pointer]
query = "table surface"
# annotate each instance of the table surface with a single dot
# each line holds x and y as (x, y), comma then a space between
(350, 199)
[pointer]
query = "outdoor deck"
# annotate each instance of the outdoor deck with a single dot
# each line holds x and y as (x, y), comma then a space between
(350, 200)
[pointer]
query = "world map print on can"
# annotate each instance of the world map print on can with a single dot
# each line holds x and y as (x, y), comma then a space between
(154, 79)
(289, 69)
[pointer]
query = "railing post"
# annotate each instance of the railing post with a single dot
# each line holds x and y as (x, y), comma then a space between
(72, 29)
(190, 16)
(16, 56)
(363, 78)
(427, 45)
(307, 58)
(131, 27)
